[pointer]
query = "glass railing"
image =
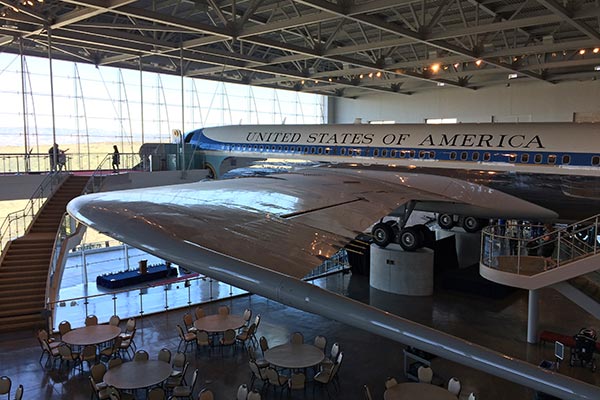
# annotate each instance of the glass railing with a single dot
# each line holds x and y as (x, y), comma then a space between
(176, 293)
(81, 296)
(20, 163)
(529, 249)
(17, 223)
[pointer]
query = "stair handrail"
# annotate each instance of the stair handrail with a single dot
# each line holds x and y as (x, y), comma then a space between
(17, 223)
(68, 227)
(554, 247)
(90, 186)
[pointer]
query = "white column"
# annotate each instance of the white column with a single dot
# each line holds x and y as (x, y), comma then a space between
(532, 317)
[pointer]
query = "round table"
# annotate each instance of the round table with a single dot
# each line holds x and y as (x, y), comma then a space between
(294, 356)
(415, 390)
(137, 374)
(94, 334)
(219, 323)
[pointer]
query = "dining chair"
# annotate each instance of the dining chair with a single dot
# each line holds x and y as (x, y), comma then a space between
(206, 394)
(199, 312)
(64, 327)
(367, 392)
(112, 351)
(97, 373)
(471, 396)
(275, 379)
(91, 320)
(179, 362)
(261, 362)
(242, 392)
(68, 356)
(164, 355)
(188, 322)
(228, 339)
(390, 382)
(141, 355)
(186, 391)
(257, 373)
(101, 394)
(114, 362)
(5, 385)
(297, 381)
(454, 386)
(223, 310)
(52, 352)
(18, 393)
(246, 335)
(177, 380)
(264, 344)
(88, 355)
(157, 393)
(425, 374)
(247, 315)
(320, 342)
(203, 340)
(114, 320)
(326, 377)
(254, 395)
(297, 338)
(328, 362)
(129, 328)
(187, 338)
(128, 344)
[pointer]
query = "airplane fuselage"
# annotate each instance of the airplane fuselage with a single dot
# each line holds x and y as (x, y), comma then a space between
(551, 148)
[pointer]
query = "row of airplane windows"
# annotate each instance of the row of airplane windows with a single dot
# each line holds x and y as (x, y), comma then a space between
(524, 158)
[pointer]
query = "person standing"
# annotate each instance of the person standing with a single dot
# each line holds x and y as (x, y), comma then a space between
(116, 159)
(53, 153)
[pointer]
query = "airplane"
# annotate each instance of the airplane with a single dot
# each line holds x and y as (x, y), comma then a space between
(516, 159)
(263, 234)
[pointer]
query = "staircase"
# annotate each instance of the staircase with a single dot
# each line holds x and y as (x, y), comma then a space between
(24, 268)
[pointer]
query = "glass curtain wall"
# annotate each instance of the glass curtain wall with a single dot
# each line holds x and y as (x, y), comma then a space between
(96, 107)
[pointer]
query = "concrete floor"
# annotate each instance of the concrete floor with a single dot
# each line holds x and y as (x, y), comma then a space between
(368, 359)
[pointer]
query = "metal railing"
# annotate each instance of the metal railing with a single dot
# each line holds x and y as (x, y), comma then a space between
(21, 163)
(17, 223)
(517, 245)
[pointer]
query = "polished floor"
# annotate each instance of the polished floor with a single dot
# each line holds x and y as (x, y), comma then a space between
(368, 359)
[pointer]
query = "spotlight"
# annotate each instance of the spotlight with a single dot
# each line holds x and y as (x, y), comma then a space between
(435, 68)
(370, 74)
(361, 76)
(302, 81)
(378, 74)
(581, 52)
(596, 50)
(478, 62)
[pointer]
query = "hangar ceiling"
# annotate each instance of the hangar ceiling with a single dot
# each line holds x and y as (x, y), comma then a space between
(345, 48)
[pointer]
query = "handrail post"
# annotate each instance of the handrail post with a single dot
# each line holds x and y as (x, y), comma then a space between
(558, 249)
(595, 234)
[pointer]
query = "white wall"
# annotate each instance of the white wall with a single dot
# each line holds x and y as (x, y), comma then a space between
(521, 102)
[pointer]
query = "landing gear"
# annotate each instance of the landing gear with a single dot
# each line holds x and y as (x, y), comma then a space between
(472, 224)
(468, 223)
(383, 234)
(445, 221)
(411, 238)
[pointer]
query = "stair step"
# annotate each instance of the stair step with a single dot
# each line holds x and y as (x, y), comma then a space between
(21, 305)
(27, 276)
(30, 321)
(18, 292)
(33, 310)
(21, 285)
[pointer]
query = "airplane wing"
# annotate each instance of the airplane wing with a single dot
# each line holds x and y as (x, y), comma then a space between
(262, 234)
(288, 223)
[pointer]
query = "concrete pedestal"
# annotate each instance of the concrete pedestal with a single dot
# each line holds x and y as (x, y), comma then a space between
(397, 271)
(468, 245)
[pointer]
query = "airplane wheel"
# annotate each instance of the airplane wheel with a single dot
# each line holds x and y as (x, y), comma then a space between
(427, 235)
(472, 224)
(445, 221)
(410, 239)
(383, 234)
